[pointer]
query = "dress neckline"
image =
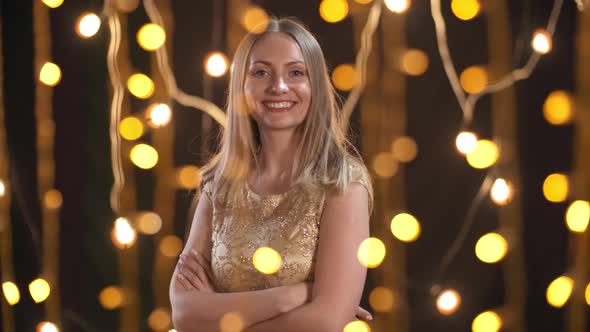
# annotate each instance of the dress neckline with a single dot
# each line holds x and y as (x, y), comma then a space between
(269, 195)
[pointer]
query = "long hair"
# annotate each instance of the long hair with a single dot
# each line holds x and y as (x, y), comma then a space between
(324, 156)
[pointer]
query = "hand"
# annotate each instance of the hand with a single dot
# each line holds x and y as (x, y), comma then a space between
(194, 272)
(363, 314)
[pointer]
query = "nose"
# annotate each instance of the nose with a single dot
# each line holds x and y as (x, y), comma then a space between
(279, 86)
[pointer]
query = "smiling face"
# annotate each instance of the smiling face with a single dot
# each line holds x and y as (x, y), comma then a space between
(277, 87)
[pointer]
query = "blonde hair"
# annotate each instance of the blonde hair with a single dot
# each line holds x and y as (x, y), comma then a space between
(324, 157)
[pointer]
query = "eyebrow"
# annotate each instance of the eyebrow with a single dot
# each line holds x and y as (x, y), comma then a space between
(288, 63)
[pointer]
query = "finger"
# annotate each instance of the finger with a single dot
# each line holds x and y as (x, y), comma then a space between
(198, 270)
(364, 314)
(204, 262)
(183, 282)
(192, 278)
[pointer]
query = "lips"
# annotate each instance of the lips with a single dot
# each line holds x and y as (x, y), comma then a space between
(278, 106)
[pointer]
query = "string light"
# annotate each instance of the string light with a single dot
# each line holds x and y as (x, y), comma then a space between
(357, 326)
(2, 188)
(363, 2)
(587, 294)
(491, 248)
(50, 74)
(144, 156)
(404, 149)
(484, 155)
(123, 235)
(159, 319)
(466, 142)
(371, 252)
(556, 187)
(189, 177)
(448, 302)
(87, 25)
(158, 115)
(405, 227)
(381, 299)
(111, 297)
(578, 216)
(131, 128)
(11, 292)
(53, 3)
(231, 322)
(216, 64)
(151, 36)
(501, 192)
(487, 321)
(385, 165)
(558, 108)
(414, 62)
(267, 260)
(541, 41)
(171, 246)
(474, 79)
(255, 19)
(140, 85)
(39, 289)
(149, 223)
(465, 9)
(344, 77)
(397, 6)
(333, 11)
(47, 327)
(559, 291)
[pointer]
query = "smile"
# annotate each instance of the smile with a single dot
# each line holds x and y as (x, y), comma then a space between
(281, 106)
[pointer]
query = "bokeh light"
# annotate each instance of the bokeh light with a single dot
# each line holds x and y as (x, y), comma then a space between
(50, 74)
(344, 77)
(501, 192)
(371, 252)
(126, 6)
(158, 115)
(559, 291)
(231, 322)
(381, 299)
(131, 128)
(385, 165)
(188, 177)
(474, 79)
(363, 2)
(140, 86)
(357, 326)
(448, 301)
(466, 142)
(484, 155)
(577, 216)
(39, 289)
(2, 188)
(333, 11)
(53, 3)
(541, 41)
(87, 25)
(487, 321)
(397, 6)
(123, 235)
(144, 156)
(151, 36)
(405, 227)
(11, 292)
(587, 294)
(491, 248)
(255, 19)
(149, 223)
(111, 297)
(170, 246)
(52, 199)
(414, 62)
(465, 9)
(404, 149)
(159, 319)
(558, 108)
(216, 64)
(556, 187)
(47, 327)
(267, 260)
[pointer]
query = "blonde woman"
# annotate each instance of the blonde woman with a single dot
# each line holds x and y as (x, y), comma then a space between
(285, 178)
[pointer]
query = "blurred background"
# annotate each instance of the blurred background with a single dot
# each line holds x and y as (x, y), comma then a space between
(482, 173)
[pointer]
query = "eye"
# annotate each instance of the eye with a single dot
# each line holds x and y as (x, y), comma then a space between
(297, 72)
(259, 72)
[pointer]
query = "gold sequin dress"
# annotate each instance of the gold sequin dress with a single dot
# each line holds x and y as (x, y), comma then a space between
(288, 222)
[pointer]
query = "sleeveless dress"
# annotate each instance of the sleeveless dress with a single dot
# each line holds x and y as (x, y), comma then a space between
(288, 222)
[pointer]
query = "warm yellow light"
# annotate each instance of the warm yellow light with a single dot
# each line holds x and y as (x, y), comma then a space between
(484, 155)
(397, 6)
(559, 291)
(556, 187)
(52, 199)
(144, 156)
(381, 299)
(216, 64)
(171, 246)
(542, 41)
(371, 252)
(2, 188)
(404, 149)
(491, 248)
(501, 192)
(11, 292)
(140, 86)
(588, 294)
(357, 326)
(465, 9)
(448, 302)
(255, 19)
(577, 216)
(159, 319)
(50, 74)
(39, 289)
(466, 142)
(231, 322)
(149, 223)
(124, 235)
(151, 36)
(333, 11)
(558, 108)
(131, 128)
(405, 227)
(47, 327)
(267, 260)
(126, 6)
(189, 177)
(414, 62)
(474, 79)
(363, 2)
(158, 115)
(385, 165)
(53, 3)
(487, 321)
(87, 25)
(344, 77)
(111, 297)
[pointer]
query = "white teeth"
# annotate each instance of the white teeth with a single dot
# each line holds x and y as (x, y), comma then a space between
(283, 104)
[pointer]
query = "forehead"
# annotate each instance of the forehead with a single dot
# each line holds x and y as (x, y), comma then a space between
(276, 47)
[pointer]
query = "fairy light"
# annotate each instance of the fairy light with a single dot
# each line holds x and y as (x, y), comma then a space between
(466, 142)
(501, 192)
(397, 6)
(87, 25)
(487, 321)
(131, 128)
(53, 199)
(171, 246)
(414, 62)
(158, 115)
(559, 291)
(255, 19)
(578, 216)
(357, 326)
(39, 290)
(140, 85)
(151, 36)
(333, 11)
(404, 149)
(216, 64)
(53, 3)
(149, 223)
(556, 187)
(159, 319)
(47, 327)
(2, 188)
(267, 260)
(558, 108)
(371, 252)
(111, 297)
(381, 299)
(587, 294)
(385, 165)
(231, 322)
(541, 41)
(484, 155)
(11, 292)
(344, 77)
(144, 156)
(465, 9)
(474, 79)
(363, 2)
(405, 227)
(50, 74)
(123, 234)
(448, 302)
(491, 248)
(189, 177)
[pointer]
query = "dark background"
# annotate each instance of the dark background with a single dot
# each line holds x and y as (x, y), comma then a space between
(439, 185)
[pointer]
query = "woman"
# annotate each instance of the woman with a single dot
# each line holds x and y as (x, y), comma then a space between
(285, 178)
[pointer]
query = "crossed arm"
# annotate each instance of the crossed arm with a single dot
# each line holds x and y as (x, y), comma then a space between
(327, 305)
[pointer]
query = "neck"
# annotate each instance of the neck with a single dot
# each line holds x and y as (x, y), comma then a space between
(277, 154)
